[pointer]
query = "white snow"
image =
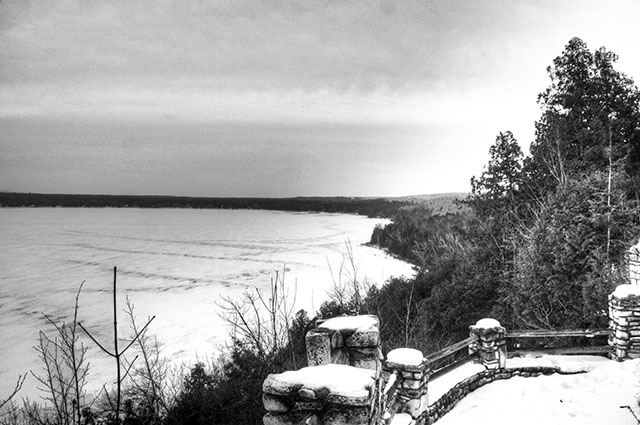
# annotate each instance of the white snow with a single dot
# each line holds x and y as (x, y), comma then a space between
(402, 419)
(339, 379)
(350, 323)
(567, 364)
(624, 291)
(407, 356)
(592, 398)
(443, 383)
(487, 323)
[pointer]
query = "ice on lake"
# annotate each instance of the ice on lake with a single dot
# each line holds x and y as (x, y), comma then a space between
(172, 263)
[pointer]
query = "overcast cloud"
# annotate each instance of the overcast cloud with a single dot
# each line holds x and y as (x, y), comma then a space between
(278, 98)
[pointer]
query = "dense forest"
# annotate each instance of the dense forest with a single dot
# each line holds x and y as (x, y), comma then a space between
(544, 236)
(538, 243)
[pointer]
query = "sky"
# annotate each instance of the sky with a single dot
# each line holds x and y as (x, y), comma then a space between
(279, 98)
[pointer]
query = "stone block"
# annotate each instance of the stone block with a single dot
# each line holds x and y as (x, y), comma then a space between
(339, 415)
(363, 338)
(337, 340)
(339, 356)
(366, 364)
(412, 384)
(355, 399)
(274, 403)
(295, 418)
(307, 406)
(273, 385)
(307, 394)
(619, 334)
(318, 347)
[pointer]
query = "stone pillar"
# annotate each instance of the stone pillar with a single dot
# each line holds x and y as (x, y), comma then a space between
(624, 315)
(413, 372)
(350, 340)
(489, 342)
(320, 395)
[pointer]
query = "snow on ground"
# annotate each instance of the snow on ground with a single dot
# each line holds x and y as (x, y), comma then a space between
(591, 398)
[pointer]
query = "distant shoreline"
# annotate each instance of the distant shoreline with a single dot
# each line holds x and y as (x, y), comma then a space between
(371, 207)
(383, 207)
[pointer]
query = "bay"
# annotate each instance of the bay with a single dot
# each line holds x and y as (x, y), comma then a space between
(175, 264)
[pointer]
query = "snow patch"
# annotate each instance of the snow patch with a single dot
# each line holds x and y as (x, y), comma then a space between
(350, 323)
(626, 290)
(402, 419)
(487, 323)
(338, 379)
(406, 356)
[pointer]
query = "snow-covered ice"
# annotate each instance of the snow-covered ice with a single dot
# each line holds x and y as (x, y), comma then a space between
(173, 263)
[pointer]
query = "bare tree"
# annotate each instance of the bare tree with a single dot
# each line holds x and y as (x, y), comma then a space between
(261, 321)
(65, 369)
(117, 354)
(154, 385)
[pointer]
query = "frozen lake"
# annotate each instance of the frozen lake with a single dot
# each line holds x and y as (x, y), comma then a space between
(172, 263)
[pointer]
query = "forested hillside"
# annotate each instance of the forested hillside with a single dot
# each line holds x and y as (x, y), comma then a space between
(543, 239)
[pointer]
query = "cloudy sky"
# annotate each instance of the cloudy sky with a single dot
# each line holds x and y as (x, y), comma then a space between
(278, 97)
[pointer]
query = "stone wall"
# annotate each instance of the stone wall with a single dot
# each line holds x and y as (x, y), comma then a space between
(340, 385)
(462, 389)
(624, 315)
(347, 382)
(327, 394)
(353, 341)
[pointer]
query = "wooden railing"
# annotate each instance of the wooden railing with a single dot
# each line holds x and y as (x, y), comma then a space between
(563, 333)
(588, 333)
(444, 359)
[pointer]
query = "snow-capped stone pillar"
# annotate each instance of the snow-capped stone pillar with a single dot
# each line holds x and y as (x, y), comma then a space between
(349, 340)
(412, 371)
(489, 342)
(327, 394)
(624, 315)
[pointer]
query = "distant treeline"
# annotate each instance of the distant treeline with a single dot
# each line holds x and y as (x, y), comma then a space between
(370, 207)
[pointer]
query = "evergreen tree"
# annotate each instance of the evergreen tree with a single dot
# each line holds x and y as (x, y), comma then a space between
(581, 185)
(590, 121)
